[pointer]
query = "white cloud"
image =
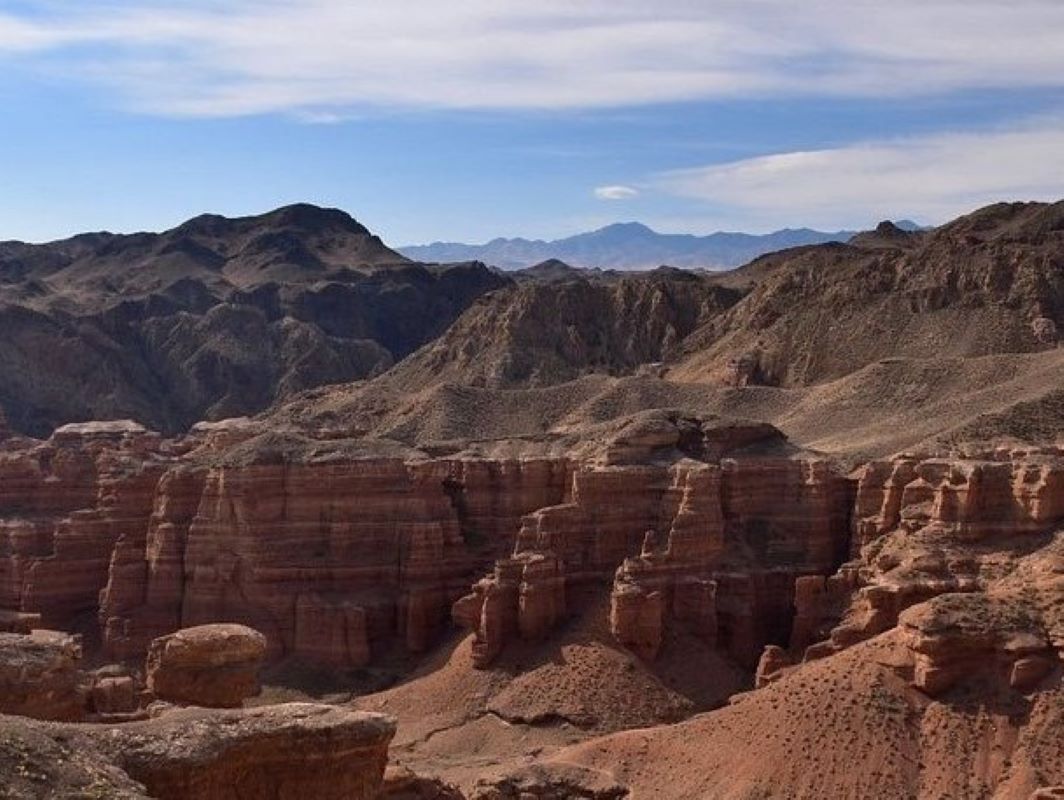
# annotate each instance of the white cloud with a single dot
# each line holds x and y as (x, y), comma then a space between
(206, 57)
(932, 178)
(615, 192)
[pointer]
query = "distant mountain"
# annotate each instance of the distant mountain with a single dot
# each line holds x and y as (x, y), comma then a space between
(627, 245)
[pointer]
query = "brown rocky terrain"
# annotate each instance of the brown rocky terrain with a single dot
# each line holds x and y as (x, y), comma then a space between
(215, 318)
(793, 531)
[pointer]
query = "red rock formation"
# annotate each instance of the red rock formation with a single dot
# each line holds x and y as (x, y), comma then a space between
(401, 783)
(736, 536)
(39, 676)
(63, 506)
(915, 520)
(956, 636)
(329, 559)
(288, 752)
(209, 665)
(773, 660)
(524, 596)
(114, 695)
(637, 619)
(990, 493)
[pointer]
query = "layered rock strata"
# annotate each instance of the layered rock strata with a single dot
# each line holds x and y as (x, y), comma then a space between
(209, 665)
(714, 547)
(924, 527)
(110, 530)
(336, 554)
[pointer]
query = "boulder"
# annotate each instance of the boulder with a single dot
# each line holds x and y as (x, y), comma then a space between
(773, 659)
(401, 783)
(293, 751)
(209, 665)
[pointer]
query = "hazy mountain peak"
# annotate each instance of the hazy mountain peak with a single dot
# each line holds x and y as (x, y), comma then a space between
(626, 245)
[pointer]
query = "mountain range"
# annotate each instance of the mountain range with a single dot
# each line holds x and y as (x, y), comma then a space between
(630, 245)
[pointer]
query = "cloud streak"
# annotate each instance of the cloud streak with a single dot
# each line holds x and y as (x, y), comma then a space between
(616, 192)
(206, 58)
(932, 178)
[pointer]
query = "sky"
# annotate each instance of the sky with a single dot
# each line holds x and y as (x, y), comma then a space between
(465, 120)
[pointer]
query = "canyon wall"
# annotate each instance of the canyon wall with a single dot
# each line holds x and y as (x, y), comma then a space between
(925, 527)
(111, 531)
(715, 547)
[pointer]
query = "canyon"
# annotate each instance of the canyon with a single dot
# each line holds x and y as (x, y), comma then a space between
(791, 531)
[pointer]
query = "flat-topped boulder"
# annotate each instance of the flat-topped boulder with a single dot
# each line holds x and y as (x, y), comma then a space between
(209, 665)
(100, 428)
(294, 751)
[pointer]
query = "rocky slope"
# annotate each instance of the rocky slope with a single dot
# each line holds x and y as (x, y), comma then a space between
(215, 318)
(897, 339)
(988, 283)
(940, 675)
(541, 333)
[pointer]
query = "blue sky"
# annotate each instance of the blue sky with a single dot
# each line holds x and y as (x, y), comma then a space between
(468, 120)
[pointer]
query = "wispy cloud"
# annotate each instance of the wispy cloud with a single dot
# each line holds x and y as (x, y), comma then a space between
(931, 178)
(616, 192)
(204, 57)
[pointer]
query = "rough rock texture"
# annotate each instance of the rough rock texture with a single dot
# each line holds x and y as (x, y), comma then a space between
(524, 596)
(331, 558)
(956, 636)
(39, 676)
(924, 527)
(988, 282)
(540, 334)
(289, 751)
(773, 659)
(558, 782)
(735, 535)
(401, 783)
(284, 752)
(215, 318)
(209, 665)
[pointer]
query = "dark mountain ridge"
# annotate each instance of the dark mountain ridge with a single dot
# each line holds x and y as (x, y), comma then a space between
(217, 317)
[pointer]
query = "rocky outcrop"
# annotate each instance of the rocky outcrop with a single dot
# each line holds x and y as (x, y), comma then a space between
(773, 660)
(524, 596)
(64, 504)
(40, 676)
(958, 636)
(551, 782)
(735, 534)
(284, 752)
(921, 526)
(1003, 491)
(209, 665)
(401, 783)
(289, 751)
